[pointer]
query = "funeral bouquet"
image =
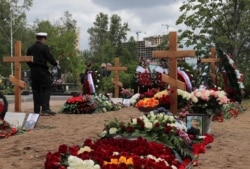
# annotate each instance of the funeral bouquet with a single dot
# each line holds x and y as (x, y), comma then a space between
(154, 127)
(208, 101)
(111, 153)
(81, 104)
(127, 93)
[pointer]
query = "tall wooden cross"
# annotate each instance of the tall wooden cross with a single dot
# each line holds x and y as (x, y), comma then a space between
(212, 60)
(16, 79)
(116, 69)
(173, 54)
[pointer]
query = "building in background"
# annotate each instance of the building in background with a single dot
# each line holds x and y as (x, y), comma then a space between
(78, 35)
(147, 46)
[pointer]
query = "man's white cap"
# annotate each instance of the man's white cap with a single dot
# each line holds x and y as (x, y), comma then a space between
(42, 34)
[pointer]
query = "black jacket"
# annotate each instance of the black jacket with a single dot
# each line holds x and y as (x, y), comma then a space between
(41, 55)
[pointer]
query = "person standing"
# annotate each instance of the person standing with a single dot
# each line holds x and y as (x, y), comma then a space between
(40, 75)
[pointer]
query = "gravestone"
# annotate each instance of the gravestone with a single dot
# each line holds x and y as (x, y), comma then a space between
(16, 79)
(173, 55)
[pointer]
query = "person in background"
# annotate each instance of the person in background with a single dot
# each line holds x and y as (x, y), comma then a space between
(40, 75)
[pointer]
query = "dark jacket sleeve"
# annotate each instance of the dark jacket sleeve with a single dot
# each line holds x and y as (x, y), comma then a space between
(49, 56)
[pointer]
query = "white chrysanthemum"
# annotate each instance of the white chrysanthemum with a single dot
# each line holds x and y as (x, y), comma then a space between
(77, 163)
(148, 125)
(160, 115)
(84, 149)
(112, 130)
(231, 61)
(194, 99)
(115, 153)
(134, 121)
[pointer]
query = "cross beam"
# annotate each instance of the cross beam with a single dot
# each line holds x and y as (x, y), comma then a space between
(116, 69)
(212, 60)
(16, 79)
(173, 54)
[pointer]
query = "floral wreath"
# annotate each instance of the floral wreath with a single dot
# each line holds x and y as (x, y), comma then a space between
(232, 77)
(3, 106)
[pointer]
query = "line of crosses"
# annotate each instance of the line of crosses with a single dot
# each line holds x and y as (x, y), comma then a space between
(16, 79)
(116, 80)
(212, 60)
(173, 54)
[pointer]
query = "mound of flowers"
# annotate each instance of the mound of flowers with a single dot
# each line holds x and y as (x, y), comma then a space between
(153, 141)
(154, 127)
(6, 130)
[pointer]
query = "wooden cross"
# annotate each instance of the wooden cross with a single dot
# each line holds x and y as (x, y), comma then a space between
(212, 60)
(16, 79)
(173, 54)
(116, 81)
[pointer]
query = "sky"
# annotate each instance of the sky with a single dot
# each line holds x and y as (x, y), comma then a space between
(149, 17)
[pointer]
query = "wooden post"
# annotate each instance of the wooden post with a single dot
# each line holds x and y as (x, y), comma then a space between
(16, 79)
(116, 81)
(173, 54)
(212, 60)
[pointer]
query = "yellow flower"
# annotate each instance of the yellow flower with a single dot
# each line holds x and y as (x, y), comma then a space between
(161, 93)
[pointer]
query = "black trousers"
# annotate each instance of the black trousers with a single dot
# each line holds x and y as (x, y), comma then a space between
(41, 88)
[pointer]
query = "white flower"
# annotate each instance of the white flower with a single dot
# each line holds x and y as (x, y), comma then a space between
(84, 149)
(134, 121)
(148, 125)
(112, 130)
(77, 163)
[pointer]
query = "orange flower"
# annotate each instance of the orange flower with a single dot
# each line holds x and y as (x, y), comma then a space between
(147, 102)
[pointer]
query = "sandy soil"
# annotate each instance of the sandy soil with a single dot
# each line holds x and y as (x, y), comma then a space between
(230, 148)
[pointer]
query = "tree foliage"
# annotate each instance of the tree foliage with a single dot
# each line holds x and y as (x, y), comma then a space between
(106, 37)
(12, 23)
(220, 23)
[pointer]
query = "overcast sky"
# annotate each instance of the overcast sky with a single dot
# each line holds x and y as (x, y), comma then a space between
(150, 17)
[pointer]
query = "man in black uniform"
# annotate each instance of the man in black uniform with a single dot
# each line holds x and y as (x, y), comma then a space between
(40, 75)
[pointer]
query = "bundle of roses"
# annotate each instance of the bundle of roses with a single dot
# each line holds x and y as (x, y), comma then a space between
(154, 127)
(127, 93)
(208, 101)
(148, 94)
(81, 104)
(164, 98)
(110, 153)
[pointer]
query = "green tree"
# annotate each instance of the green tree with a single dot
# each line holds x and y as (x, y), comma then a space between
(12, 22)
(106, 37)
(224, 24)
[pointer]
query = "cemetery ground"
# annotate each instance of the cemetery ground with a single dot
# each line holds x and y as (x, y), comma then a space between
(230, 148)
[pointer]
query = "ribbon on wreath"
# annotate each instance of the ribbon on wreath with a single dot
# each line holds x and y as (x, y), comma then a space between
(186, 79)
(91, 83)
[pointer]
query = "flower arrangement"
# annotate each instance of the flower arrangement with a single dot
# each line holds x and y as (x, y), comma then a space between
(183, 98)
(81, 104)
(150, 93)
(208, 101)
(233, 79)
(104, 104)
(107, 153)
(146, 142)
(154, 127)
(229, 110)
(147, 104)
(164, 98)
(127, 93)
(6, 130)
